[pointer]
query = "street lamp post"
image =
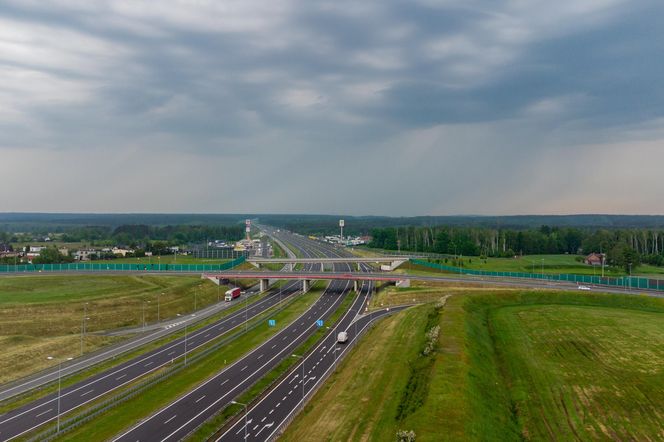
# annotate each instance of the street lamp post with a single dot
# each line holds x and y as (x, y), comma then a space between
(84, 320)
(245, 417)
(50, 358)
(159, 307)
(144, 304)
(185, 343)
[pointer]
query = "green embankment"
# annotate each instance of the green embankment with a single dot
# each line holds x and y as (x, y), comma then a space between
(510, 365)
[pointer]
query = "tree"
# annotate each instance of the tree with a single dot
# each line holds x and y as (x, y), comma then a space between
(51, 255)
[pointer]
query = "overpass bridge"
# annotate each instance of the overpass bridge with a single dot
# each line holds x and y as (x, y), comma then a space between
(393, 261)
(307, 277)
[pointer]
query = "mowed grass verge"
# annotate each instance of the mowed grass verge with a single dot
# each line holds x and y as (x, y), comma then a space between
(510, 365)
(43, 315)
(132, 411)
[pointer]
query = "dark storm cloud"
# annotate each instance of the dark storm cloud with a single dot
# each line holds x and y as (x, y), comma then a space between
(417, 89)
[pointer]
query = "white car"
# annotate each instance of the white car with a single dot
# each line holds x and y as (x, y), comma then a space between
(583, 287)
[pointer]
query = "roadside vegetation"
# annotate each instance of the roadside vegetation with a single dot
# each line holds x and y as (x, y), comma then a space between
(44, 315)
(131, 411)
(509, 365)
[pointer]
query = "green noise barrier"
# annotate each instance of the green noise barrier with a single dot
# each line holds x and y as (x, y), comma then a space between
(626, 282)
(101, 266)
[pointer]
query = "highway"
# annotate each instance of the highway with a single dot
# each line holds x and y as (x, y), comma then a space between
(184, 415)
(43, 410)
(274, 411)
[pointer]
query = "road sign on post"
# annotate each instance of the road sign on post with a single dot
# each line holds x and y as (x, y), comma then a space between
(319, 323)
(271, 322)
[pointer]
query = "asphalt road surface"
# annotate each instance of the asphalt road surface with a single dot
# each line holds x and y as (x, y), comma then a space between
(188, 412)
(45, 409)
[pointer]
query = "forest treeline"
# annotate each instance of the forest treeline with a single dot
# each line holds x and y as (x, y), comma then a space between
(621, 246)
(139, 234)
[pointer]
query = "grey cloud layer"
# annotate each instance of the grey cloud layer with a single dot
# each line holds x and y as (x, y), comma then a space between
(278, 95)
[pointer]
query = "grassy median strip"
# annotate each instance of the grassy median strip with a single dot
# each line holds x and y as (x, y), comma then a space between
(214, 425)
(151, 400)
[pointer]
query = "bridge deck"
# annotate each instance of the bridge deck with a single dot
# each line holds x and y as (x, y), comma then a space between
(326, 260)
(346, 276)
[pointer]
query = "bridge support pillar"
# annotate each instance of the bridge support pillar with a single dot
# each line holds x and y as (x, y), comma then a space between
(265, 284)
(322, 267)
(403, 283)
(359, 267)
(396, 264)
(306, 285)
(356, 286)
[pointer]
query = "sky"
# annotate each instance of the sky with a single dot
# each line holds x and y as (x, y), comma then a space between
(345, 107)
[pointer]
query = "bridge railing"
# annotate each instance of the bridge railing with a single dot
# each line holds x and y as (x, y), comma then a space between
(119, 267)
(626, 282)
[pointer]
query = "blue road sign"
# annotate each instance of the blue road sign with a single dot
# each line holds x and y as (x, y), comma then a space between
(271, 322)
(319, 323)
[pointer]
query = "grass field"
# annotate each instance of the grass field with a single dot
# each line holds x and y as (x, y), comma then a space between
(598, 372)
(510, 365)
(42, 315)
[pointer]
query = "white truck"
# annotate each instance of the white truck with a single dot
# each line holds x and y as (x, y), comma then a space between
(342, 337)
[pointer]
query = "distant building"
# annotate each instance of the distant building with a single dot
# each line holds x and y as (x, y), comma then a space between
(119, 251)
(84, 254)
(4, 248)
(594, 259)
